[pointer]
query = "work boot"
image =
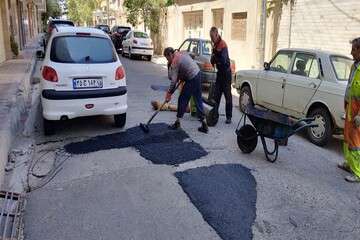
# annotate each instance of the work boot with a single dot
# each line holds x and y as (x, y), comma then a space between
(344, 166)
(352, 178)
(204, 127)
(228, 121)
(175, 125)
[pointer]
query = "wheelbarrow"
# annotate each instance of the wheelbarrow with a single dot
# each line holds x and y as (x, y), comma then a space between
(267, 124)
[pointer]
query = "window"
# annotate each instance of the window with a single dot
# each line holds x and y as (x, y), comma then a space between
(281, 62)
(238, 26)
(306, 65)
(185, 46)
(141, 35)
(218, 19)
(206, 48)
(342, 67)
(128, 35)
(194, 48)
(75, 49)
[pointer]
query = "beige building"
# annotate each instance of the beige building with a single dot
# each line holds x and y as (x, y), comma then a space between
(320, 24)
(116, 13)
(20, 19)
(238, 21)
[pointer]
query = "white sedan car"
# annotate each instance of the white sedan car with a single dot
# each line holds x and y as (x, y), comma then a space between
(81, 76)
(301, 83)
(137, 43)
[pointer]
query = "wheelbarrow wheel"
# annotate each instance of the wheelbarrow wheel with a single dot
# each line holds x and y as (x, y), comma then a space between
(212, 117)
(247, 138)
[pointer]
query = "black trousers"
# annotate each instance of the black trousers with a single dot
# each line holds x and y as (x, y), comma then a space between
(191, 87)
(223, 86)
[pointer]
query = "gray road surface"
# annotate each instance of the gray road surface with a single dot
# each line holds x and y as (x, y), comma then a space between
(119, 193)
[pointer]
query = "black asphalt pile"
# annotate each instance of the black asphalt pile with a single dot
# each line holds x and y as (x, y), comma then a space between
(161, 145)
(225, 195)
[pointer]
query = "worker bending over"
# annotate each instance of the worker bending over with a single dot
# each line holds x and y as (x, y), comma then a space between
(183, 67)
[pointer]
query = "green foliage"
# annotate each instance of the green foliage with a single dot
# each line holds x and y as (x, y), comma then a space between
(277, 4)
(81, 11)
(147, 11)
(14, 46)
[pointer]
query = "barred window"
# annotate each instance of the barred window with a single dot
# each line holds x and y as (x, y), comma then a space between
(239, 26)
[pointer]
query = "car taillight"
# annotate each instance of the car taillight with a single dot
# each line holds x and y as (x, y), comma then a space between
(120, 73)
(49, 74)
(135, 42)
(232, 66)
(208, 67)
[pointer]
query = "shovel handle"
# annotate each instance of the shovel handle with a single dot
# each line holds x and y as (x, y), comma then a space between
(162, 105)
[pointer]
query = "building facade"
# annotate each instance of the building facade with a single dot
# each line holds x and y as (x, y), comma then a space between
(321, 24)
(116, 13)
(237, 20)
(21, 21)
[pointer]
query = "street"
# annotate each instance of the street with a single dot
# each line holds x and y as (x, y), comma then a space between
(123, 184)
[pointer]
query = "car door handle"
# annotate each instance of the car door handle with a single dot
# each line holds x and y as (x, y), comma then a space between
(283, 83)
(313, 85)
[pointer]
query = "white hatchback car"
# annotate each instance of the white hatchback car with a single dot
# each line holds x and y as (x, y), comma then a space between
(81, 76)
(138, 43)
(301, 83)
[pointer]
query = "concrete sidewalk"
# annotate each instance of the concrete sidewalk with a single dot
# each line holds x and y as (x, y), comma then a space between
(15, 82)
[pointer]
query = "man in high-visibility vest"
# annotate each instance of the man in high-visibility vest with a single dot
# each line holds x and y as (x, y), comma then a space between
(352, 118)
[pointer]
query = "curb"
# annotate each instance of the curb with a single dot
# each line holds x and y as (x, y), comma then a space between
(18, 106)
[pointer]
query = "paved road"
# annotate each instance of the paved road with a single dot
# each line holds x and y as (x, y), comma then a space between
(184, 184)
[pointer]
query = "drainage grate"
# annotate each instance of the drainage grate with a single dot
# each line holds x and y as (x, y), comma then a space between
(10, 203)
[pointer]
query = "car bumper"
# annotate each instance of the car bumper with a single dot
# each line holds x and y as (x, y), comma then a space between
(55, 109)
(83, 94)
(142, 51)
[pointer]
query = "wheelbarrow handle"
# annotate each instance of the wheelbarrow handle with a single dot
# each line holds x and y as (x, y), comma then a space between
(303, 125)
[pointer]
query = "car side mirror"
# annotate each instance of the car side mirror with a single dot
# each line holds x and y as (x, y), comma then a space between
(40, 54)
(266, 66)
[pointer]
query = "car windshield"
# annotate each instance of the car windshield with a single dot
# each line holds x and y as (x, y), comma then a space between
(63, 23)
(76, 49)
(206, 48)
(123, 30)
(342, 67)
(140, 35)
(104, 28)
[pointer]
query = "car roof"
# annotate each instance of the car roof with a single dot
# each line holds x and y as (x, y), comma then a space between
(60, 21)
(65, 29)
(198, 39)
(314, 51)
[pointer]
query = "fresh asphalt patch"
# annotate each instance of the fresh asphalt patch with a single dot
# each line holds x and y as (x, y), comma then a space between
(225, 195)
(161, 145)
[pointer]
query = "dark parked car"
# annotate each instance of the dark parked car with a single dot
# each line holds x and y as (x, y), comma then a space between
(200, 50)
(103, 27)
(53, 23)
(118, 34)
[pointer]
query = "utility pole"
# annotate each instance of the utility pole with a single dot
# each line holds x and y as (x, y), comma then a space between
(108, 12)
(261, 36)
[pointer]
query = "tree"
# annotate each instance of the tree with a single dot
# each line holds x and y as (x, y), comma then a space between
(52, 10)
(81, 11)
(151, 13)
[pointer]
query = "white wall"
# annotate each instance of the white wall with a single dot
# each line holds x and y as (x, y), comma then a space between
(321, 24)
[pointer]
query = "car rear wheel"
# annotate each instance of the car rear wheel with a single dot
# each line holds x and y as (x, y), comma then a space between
(148, 58)
(245, 98)
(49, 127)
(322, 134)
(120, 120)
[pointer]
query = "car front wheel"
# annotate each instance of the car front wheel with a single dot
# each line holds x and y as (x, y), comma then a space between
(245, 98)
(120, 120)
(321, 134)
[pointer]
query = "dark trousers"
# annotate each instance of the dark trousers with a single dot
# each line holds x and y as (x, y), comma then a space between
(223, 86)
(191, 87)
